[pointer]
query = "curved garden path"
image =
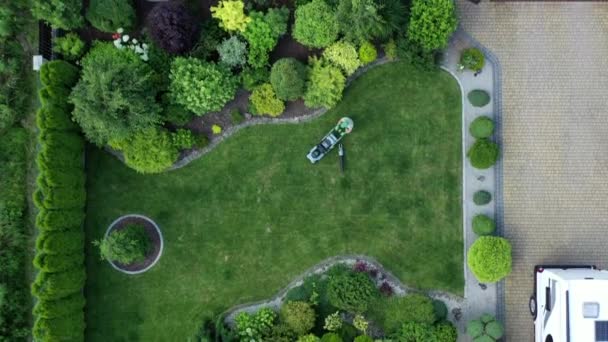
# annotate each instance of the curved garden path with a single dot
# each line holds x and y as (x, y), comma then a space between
(555, 134)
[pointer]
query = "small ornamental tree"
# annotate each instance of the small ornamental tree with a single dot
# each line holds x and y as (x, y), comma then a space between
(263, 33)
(351, 291)
(299, 316)
(324, 86)
(432, 22)
(264, 101)
(288, 77)
(61, 14)
(128, 245)
(171, 27)
(485, 328)
(151, 150)
(201, 87)
(233, 52)
(360, 20)
(343, 55)
(483, 154)
(110, 15)
(231, 14)
(489, 258)
(316, 24)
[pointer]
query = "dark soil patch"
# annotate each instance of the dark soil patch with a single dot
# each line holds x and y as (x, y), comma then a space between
(153, 235)
(289, 47)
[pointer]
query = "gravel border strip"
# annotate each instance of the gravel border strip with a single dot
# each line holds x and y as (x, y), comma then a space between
(160, 234)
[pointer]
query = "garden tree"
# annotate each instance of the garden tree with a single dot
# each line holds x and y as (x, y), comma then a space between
(70, 46)
(489, 258)
(116, 95)
(288, 78)
(231, 15)
(367, 53)
(233, 52)
(61, 14)
(171, 26)
(299, 316)
(316, 24)
(264, 101)
(351, 291)
(431, 24)
(263, 33)
(485, 328)
(127, 245)
(483, 154)
(343, 55)
(324, 86)
(150, 150)
(361, 21)
(110, 15)
(201, 87)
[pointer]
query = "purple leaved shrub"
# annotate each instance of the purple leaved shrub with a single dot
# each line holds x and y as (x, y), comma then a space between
(171, 27)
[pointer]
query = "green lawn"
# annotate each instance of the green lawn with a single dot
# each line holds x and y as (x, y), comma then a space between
(242, 221)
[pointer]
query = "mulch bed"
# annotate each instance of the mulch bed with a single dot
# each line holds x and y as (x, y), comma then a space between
(152, 235)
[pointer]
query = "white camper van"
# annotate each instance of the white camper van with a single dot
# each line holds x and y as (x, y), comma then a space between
(570, 304)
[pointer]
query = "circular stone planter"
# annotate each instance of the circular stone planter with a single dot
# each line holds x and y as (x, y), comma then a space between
(153, 232)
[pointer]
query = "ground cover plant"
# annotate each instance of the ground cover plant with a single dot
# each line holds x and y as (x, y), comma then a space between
(228, 238)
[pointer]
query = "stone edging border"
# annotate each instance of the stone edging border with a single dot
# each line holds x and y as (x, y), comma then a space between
(452, 301)
(160, 234)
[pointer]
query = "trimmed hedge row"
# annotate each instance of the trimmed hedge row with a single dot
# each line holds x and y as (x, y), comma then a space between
(14, 298)
(60, 198)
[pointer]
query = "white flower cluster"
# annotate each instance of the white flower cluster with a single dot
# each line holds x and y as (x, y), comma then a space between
(124, 41)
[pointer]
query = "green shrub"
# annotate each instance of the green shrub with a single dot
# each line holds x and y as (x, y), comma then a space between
(59, 74)
(148, 151)
(67, 242)
(287, 77)
(115, 89)
(254, 77)
(316, 24)
(485, 328)
(128, 245)
(52, 263)
(68, 328)
(390, 49)
(367, 53)
(70, 46)
(415, 332)
(233, 52)
(254, 327)
(483, 225)
(483, 154)
(298, 316)
(472, 59)
(482, 127)
(63, 198)
(201, 87)
(343, 55)
(52, 117)
(64, 177)
(478, 97)
(363, 338)
(489, 258)
(264, 101)
(216, 129)
(431, 23)
(446, 332)
(308, 338)
(236, 117)
(324, 86)
(62, 14)
(52, 286)
(333, 322)
(231, 15)
(331, 337)
(183, 138)
(60, 308)
(353, 291)
(361, 20)
(263, 33)
(177, 114)
(59, 219)
(482, 197)
(440, 309)
(110, 15)
(391, 312)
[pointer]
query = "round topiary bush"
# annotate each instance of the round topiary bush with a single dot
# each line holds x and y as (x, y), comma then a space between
(472, 59)
(485, 328)
(489, 258)
(478, 97)
(483, 225)
(351, 291)
(482, 127)
(128, 245)
(483, 154)
(287, 77)
(298, 316)
(482, 197)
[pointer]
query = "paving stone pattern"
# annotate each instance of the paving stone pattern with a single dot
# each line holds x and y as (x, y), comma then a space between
(555, 135)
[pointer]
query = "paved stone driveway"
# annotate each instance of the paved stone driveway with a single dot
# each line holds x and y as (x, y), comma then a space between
(554, 60)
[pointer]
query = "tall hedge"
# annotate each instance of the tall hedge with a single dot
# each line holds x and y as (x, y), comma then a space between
(60, 198)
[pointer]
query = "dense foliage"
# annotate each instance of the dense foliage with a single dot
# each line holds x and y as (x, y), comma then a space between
(352, 291)
(127, 245)
(360, 20)
(482, 127)
(201, 87)
(298, 316)
(14, 298)
(233, 52)
(255, 327)
(110, 15)
(482, 197)
(432, 22)
(70, 46)
(264, 100)
(485, 328)
(288, 77)
(472, 59)
(231, 15)
(150, 150)
(367, 53)
(316, 24)
(60, 198)
(324, 86)
(61, 14)
(262, 34)
(483, 225)
(171, 26)
(391, 312)
(489, 258)
(483, 154)
(343, 55)
(116, 95)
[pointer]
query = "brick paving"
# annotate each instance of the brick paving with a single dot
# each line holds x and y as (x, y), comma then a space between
(555, 134)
